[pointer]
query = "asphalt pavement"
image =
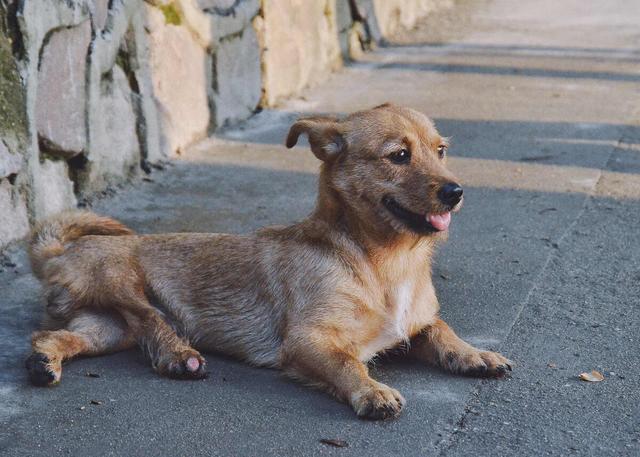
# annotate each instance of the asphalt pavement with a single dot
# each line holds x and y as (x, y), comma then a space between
(541, 100)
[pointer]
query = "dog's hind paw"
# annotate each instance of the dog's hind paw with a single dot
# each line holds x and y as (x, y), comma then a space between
(185, 365)
(41, 373)
(380, 402)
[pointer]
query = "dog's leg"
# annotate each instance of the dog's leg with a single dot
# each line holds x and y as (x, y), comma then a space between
(437, 344)
(170, 355)
(89, 333)
(343, 375)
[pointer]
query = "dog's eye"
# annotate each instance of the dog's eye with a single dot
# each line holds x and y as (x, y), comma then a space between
(442, 151)
(400, 157)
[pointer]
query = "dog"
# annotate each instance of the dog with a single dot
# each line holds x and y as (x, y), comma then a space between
(317, 299)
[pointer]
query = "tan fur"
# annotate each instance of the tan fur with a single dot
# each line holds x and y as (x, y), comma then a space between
(317, 299)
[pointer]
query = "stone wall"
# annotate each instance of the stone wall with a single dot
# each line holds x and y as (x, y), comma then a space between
(96, 92)
(396, 15)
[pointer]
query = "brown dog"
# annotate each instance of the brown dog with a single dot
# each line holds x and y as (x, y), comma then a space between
(317, 299)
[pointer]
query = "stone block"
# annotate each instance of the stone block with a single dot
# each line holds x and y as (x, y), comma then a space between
(52, 190)
(223, 17)
(114, 150)
(100, 13)
(300, 45)
(343, 24)
(220, 7)
(13, 211)
(181, 72)
(60, 102)
(146, 110)
(364, 10)
(10, 164)
(395, 15)
(237, 81)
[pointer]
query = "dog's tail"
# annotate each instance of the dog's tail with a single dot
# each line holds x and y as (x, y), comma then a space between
(48, 238)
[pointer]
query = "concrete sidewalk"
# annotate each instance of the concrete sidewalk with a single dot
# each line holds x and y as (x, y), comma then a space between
(542, 103)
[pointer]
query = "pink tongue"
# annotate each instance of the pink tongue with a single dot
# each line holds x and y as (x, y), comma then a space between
(440, 221)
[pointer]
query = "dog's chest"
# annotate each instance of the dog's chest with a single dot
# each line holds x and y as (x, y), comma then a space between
(397, 321)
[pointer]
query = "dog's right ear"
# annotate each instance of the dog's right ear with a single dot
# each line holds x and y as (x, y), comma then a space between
(324, 136)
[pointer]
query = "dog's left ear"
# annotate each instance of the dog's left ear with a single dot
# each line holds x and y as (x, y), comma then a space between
(324, 136)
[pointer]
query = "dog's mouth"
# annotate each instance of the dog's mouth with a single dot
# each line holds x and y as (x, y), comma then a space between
(419, 223)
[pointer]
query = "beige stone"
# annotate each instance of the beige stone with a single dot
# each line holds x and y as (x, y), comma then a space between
(114, 150)
(124, 35)
(364, 10)
(217, 5)
(60, 104)
(299, 41)
(147, 113)
(52, 190)
(13, 212)
(180, 69)
(212, 20)
(100, 13)
(358, 41)
(395, 15)
(343, 25)
(10, 164)
(237, 79)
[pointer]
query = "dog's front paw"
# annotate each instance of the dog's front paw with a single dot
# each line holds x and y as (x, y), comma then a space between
(42, 372)
(188, 364)
(483, 364)
(378, 402)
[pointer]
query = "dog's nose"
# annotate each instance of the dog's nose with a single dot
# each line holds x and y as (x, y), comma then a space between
(450, 194)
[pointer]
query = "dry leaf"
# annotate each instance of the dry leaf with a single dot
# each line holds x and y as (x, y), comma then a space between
(594, 376)
(334, 443)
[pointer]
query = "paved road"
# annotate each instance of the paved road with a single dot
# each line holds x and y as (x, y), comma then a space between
(541, 101)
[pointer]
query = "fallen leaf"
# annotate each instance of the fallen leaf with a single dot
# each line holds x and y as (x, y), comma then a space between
(96, 402)
(91, 375)
(334, 443)
(594, 376)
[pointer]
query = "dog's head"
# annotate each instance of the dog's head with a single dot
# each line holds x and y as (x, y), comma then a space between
(387, 166)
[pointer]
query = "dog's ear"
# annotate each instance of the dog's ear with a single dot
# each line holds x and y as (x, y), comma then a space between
(324, 136)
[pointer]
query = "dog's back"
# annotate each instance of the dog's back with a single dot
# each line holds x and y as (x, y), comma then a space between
(222, 293)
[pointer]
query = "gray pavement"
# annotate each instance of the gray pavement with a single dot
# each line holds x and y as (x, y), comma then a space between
(542, 101)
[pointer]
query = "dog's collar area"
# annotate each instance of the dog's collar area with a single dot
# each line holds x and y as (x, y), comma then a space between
(416, 222)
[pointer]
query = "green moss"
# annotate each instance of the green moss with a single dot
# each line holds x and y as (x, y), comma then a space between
(171, 14)
(13, 115)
